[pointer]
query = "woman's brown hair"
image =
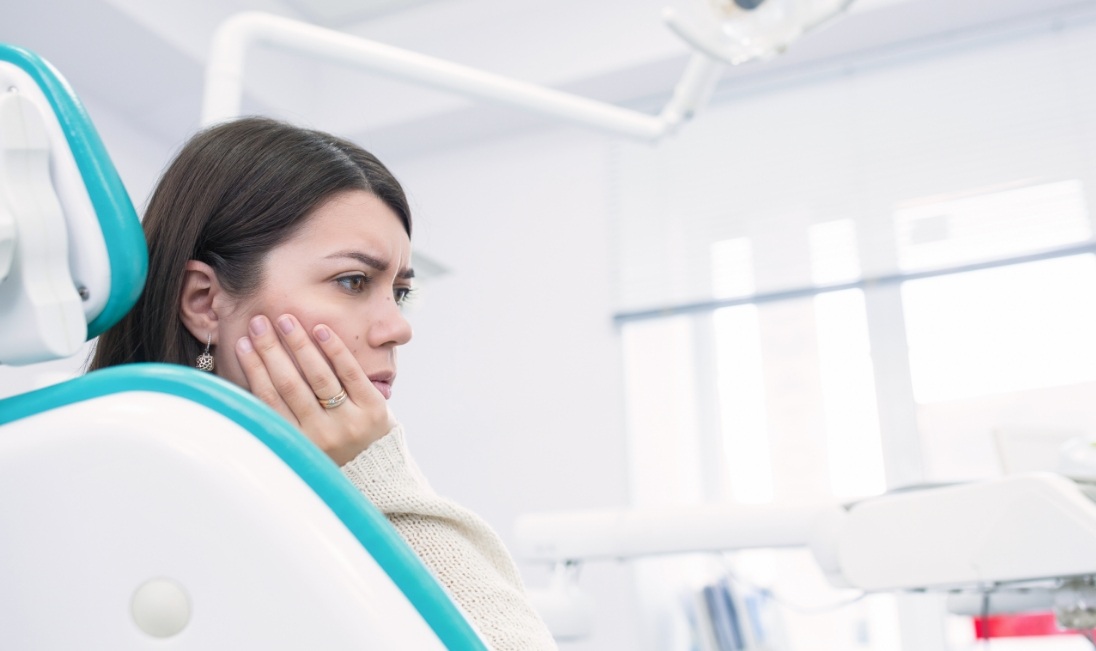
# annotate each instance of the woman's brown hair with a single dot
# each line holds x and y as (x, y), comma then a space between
(234, 192)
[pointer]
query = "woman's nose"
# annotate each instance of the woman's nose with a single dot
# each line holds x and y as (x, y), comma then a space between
(390, 327)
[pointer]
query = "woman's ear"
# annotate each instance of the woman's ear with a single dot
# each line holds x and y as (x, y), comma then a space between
(200, 289)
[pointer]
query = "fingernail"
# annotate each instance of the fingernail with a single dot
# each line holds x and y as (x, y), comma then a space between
(285, 324)
(258, 325)
(322, 333)
(244, 345)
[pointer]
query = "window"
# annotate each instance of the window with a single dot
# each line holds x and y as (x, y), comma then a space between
(740, 376)
(854, 451)
(998, 329)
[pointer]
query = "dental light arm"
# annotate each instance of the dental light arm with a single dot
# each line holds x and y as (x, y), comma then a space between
(236, 36)
(737, 32)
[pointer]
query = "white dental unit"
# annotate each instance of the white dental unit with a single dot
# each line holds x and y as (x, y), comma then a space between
(1021, 543)
(152, 506)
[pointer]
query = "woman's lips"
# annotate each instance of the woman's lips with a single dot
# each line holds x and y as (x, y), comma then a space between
(384, 387)
(383, 382)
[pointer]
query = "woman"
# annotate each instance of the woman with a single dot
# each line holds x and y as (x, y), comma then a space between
(278, 259)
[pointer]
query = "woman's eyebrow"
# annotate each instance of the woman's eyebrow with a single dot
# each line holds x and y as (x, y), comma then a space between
(370, 261)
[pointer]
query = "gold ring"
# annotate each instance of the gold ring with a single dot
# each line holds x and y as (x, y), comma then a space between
(334, 401)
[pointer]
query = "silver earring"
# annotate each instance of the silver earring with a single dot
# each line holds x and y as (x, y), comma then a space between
(205, 360)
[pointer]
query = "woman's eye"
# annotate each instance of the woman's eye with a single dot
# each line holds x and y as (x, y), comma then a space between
(403, 294)
(355, 283)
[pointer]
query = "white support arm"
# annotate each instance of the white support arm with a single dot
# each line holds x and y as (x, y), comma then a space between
(1015, 529)
(600, 535)
(236, 36)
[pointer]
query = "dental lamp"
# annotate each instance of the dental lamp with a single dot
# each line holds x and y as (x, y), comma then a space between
(754, 29)
(739, 31)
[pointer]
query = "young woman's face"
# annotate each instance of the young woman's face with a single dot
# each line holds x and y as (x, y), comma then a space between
(348, 267)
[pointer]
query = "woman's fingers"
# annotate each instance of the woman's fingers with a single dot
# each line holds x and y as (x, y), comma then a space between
(285, 376)
(378, 418)
(290, 371)
(350, 373)
(258, 379)
(313, 367)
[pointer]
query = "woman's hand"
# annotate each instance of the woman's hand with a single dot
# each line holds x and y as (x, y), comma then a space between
(290, 371)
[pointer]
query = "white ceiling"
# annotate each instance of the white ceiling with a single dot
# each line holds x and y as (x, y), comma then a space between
(144, 59)
(340, 13)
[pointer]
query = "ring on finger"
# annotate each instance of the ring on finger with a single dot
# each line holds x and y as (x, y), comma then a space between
(333, 401)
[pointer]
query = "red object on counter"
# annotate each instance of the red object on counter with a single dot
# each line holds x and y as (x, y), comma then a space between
(1026, 625)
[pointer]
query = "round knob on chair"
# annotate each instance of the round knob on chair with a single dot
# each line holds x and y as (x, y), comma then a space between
(161, 607)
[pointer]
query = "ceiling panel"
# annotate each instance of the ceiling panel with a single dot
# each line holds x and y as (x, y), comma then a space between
(339, 13)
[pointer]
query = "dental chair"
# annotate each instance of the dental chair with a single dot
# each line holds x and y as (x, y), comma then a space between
(152, 506)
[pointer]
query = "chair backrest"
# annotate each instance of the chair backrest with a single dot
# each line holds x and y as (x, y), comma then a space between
(150, 503)
(154, 501)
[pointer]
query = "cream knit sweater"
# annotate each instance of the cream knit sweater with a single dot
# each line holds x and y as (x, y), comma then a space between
(462, 551)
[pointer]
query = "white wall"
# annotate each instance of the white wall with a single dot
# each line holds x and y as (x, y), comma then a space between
(139, 156)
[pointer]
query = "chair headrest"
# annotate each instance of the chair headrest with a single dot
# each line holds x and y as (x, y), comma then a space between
(72, 255)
